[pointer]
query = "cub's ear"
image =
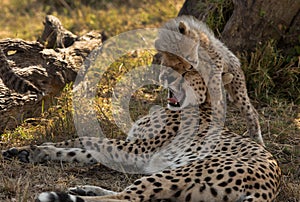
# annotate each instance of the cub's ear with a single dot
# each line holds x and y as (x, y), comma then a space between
(204, 40)
(182, 28)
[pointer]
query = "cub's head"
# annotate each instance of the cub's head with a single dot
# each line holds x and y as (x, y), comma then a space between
(185, 37)
(186, 66)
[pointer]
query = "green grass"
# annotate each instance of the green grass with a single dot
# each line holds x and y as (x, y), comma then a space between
(23, 19)
(271, 75)
(272, 80)
(219, 13)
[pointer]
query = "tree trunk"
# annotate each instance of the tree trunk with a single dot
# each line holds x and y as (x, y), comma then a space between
(33, 73)
(253, 22)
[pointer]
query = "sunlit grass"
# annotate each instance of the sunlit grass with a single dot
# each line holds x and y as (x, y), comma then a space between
(23, 19)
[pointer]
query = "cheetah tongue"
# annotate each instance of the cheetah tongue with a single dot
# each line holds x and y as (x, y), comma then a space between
(173, 100)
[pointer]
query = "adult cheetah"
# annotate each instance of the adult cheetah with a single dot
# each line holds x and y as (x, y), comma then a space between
(190, 155)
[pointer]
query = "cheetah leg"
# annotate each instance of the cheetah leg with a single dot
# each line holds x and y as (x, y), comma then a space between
(82, 142)
(116, 154)
(238, 92)
(42, 154)
(89, 190)
(141, 190)
(127, 195)
(252, 120)
(163, 185)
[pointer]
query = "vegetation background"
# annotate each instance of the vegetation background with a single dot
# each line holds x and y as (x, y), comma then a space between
(272, 79)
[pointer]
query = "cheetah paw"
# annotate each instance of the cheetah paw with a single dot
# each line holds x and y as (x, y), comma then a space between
(14, 153)
(57, 197)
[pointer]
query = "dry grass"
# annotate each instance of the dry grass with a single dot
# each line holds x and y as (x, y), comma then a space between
(280, 117)
(281, 132)
(22, 182)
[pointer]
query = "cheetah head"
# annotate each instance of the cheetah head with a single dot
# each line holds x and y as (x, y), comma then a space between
(185, 86)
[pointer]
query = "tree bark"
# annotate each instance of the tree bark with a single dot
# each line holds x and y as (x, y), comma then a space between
(254, 22)
(33, 73)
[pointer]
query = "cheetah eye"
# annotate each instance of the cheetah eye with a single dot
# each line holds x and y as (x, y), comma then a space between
(189, 68)
(182, 28)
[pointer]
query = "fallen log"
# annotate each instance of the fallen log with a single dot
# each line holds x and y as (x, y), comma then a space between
(36, 72)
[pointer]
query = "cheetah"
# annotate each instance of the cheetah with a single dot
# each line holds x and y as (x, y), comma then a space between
(224, 61)
(188, 156)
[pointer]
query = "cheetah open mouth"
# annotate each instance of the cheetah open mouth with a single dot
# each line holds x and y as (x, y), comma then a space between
(175, 98)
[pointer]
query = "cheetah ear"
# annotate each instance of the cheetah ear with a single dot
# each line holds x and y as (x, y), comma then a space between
(182, 28)
(204, 39)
